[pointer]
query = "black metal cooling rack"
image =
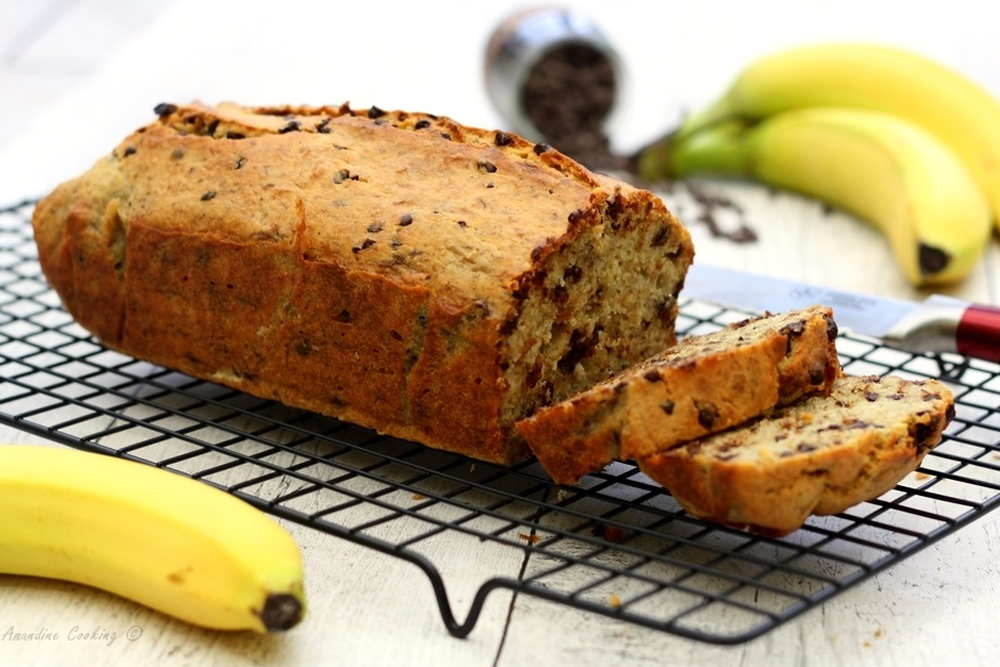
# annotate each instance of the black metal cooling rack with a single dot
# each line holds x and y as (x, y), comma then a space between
(618, 545)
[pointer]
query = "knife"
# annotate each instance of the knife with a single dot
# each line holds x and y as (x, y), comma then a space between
(937, 324)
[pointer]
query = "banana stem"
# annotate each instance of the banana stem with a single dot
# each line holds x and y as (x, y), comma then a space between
(723, 148)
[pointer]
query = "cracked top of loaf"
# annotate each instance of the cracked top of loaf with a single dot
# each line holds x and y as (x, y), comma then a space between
(483, 203)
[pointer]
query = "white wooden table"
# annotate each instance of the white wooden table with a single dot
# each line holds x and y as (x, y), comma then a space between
(938, 607)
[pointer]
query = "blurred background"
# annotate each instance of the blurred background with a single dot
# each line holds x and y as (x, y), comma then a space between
(76, 76)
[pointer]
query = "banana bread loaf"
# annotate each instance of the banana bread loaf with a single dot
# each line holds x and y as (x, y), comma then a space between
(397, 270)
(821, 455)
(705, 384)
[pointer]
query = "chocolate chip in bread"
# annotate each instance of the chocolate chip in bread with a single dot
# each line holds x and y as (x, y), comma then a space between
(397, 270)
(705, 384)
(821, 455)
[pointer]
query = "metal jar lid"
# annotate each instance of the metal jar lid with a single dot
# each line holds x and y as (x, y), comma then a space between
(520, 43)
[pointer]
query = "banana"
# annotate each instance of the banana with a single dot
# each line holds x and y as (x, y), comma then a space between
(884, 170)
(963, 115)
(169, 542)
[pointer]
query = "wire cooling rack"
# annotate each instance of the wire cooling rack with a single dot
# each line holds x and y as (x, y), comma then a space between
(617, 545)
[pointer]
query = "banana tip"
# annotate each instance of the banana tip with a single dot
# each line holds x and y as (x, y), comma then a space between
(282, 611)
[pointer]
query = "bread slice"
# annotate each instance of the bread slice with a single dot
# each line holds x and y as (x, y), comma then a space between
(397, 270)
(705, 384)
(820, 456)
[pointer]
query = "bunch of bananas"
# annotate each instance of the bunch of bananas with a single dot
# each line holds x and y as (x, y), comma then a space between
(885, 134)
(174, 544)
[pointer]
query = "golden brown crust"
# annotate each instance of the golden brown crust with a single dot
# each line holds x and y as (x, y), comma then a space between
(820, 456)
(397, 270)
(705, 384)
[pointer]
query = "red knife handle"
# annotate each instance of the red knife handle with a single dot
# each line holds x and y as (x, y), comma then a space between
(978, 333)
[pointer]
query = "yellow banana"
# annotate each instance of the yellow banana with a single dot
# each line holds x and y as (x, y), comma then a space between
(882, 169)
(944, 102)
(160, 539)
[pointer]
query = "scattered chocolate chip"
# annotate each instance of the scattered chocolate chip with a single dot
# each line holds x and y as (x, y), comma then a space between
(303, 348)
(292, 126)
(871, 396)
(323, 127)
(668, 407)
(806, 447)
(367, 243)
(177, 153)
(405, 220)
(345, 317)
(462, 223)
(503, 139)
(486, 167)
(129, 151)
(541, 148)
(422, 124)
(832, 330)
(240, 161)
(235, 135)
(580, 346)
(660, 238)
(572, 274)
(652, 375)
(375, 227)
(208, 195)
(817, 376)
(374, 112)
(212, 127)
(708, 413)
(344, 175)
(164, 109)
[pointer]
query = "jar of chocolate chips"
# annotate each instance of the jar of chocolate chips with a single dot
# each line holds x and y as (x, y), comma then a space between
(555, 78)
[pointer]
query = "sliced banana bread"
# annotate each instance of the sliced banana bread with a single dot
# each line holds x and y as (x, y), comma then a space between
(704, 384)
(821, 455)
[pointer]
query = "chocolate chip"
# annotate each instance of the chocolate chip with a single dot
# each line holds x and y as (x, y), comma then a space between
(212, 127)
(240, 161)
(323, 127)
(615, 210)
(461, 223)
(303, 348)
(374, 112)
(344, 175)
(572, 274)
(708, 414)
(486, 167)
(831, 328)
(503, 139)
(668, 407)
(292, 126)
(817, 376)
(405, 220)
(177, 153)
(806, 447)
(129, 151)
(580, 346)
(163, 109)
(541, 148)
(660, 238)
(652, 375)
(375, 227)
(367, 243)
(422, 125)
(235, 135)
(509, 325)
(870, 396)
(345, 317)
(208, 195)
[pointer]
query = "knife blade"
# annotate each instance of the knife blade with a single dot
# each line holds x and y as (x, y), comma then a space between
(937, 324)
